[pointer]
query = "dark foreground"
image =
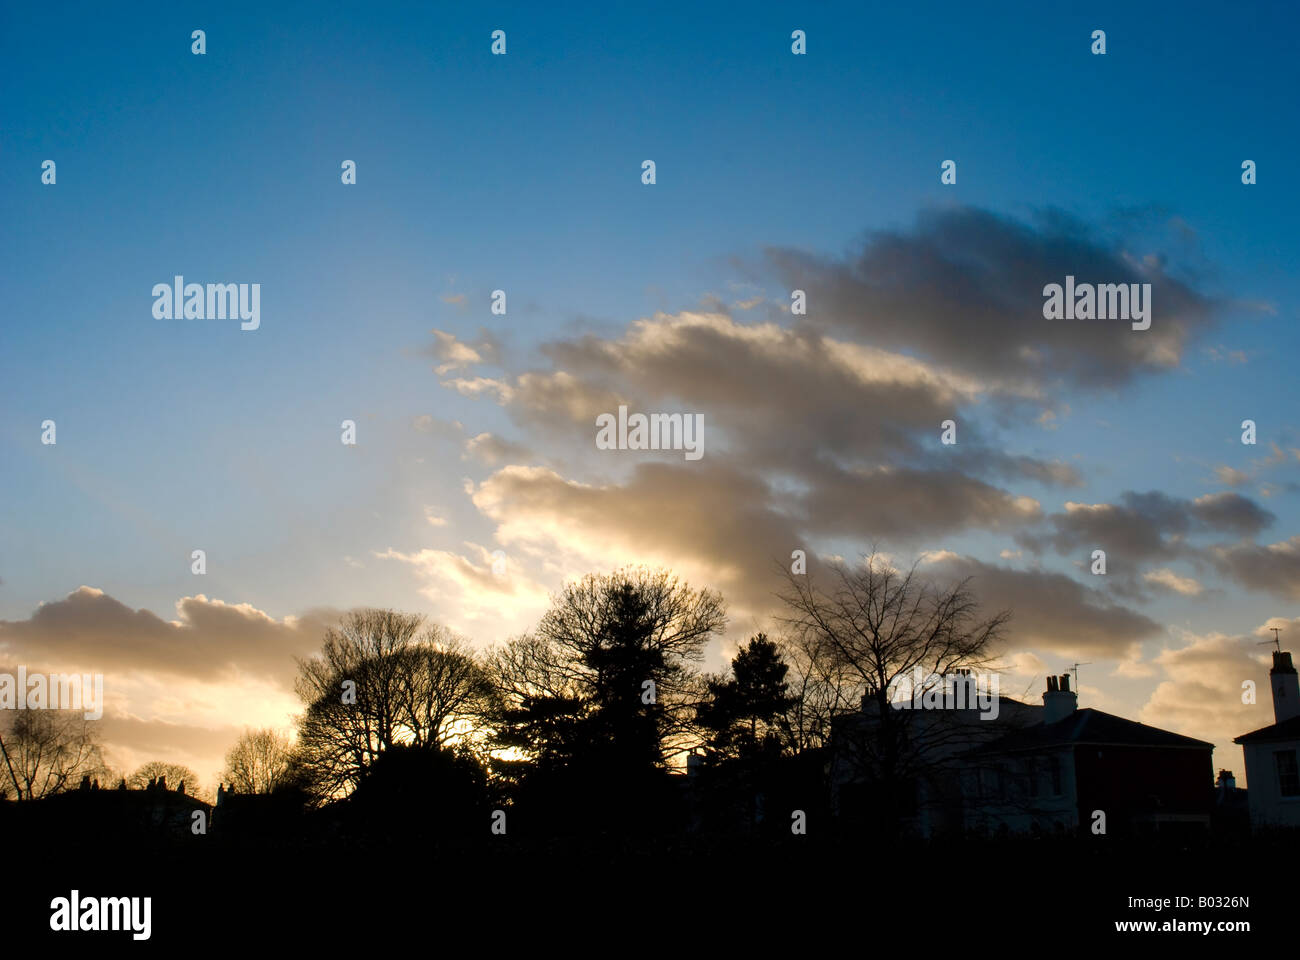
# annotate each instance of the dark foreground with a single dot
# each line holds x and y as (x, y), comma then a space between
(597, 895)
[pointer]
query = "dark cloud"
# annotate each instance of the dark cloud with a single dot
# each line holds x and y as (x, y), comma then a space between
(964, 288)
(1231, 513)
(1051, 611)
(1148, 526)
(826, 427)
(904, 503)
(1272, 569)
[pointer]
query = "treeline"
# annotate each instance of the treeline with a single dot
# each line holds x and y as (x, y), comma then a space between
(577, 726)
(585, 723)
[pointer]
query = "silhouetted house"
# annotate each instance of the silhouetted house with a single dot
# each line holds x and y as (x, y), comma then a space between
(1271, 752)
(1231, 805)
(918, 788)
(1057, 775)
(258, 816)
(154, 813)
(752, 795)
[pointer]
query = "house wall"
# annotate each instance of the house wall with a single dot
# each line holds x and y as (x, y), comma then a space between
(1135, 785)
(1267, 806)
(933, 804)
(1019, 793)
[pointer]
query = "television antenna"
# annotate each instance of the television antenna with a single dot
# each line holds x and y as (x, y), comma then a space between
(1275, 641)
(1075, 668)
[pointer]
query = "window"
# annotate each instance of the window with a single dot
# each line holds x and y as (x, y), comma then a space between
(1055, 766)
(1288, 776)
(1032, 771)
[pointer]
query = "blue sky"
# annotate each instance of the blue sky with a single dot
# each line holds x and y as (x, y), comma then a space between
(522, 172)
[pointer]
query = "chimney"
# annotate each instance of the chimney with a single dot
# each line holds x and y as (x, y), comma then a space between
(1227, 784)
(1058, 701)
(1286, 687)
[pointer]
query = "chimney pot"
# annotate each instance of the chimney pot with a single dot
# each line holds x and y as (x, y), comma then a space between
(1286, 687)
(1059, 701)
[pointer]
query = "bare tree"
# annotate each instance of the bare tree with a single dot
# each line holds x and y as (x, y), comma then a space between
(529, 667)
(443, 691)
(259, 762)
(872, 630)
(175, 774)
(380, 680)
(821, 688)
(46, 751)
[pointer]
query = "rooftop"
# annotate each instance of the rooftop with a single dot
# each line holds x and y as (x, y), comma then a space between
(1094, 728)
(1286, 730)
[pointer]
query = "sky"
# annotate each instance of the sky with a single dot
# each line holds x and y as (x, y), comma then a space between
(475, 431)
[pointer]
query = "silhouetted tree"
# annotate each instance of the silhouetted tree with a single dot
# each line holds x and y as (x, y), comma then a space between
(259, 762)
(605, 691)
(747, 718)
(47, 751)
(379, 681)
(175, 774)
(630, 641)
(871, 630)
(747, 713)
(415, 791)
(821, 686)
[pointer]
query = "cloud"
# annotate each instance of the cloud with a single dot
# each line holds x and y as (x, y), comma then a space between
(906, 503)
(840, 429)
(1229, 513)
(175, 690)
(481, 386)
(964, 289)
(474, 597)
(1052, 612)
(1274, 568)
(1230, 476)
(1146, 526)
(492, 450)
(89, 629)
(714, 525)
(455, 354)
(1169, 580)
(1202, 695)
(129, 742)
(826, 426)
